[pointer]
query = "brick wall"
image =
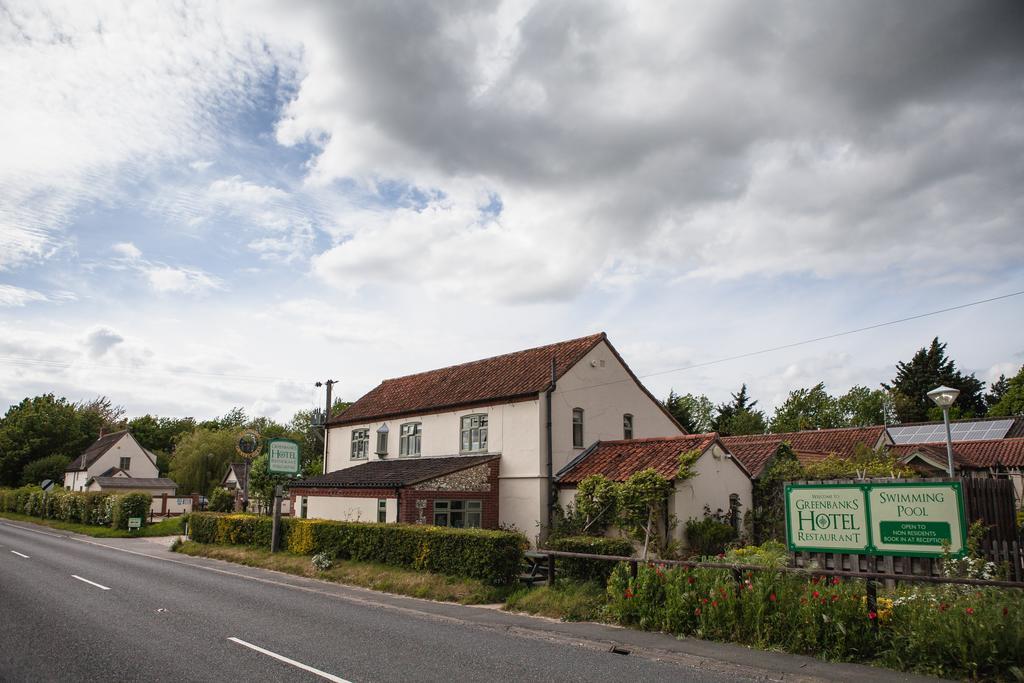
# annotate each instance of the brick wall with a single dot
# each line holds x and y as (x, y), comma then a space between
(416, 505)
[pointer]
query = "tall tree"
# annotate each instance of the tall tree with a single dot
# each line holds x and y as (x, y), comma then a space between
(40, 427)
(234, 419)
(810, 408)
(694, 413)
(201, 458)
(997, 391)
(739, 416)
(160, 434)
(929, 368)
(111, 417)
(864, 407)
(1012, 401)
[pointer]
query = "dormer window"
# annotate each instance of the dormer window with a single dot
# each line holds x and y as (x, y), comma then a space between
(360, 443)
(474, 433)
(409, 439)
(627, 426)
(382, 441)
(577, 427)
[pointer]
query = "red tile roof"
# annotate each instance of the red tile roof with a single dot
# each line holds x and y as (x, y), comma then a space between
(617, 460)
(972, 454)
(754, 450)
(511, 376)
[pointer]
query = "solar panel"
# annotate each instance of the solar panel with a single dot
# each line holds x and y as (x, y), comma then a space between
(960, 431)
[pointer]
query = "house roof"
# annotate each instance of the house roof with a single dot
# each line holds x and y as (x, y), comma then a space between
(240, 474)
(754, 450)
(134, 483)
(517, 375)
(393, 473)
(971, 454)
(617, 460)
(95, 451)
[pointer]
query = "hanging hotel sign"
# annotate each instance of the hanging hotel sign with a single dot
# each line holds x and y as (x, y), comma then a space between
(283, 456)
(248, 445)
(912, 519)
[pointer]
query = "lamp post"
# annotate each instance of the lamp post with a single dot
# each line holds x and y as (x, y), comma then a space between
(944, 397)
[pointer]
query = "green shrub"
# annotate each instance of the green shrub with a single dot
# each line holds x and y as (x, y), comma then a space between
(492, 556)
(589, 570)
(129, 505)
(708, 536)
(221, 500)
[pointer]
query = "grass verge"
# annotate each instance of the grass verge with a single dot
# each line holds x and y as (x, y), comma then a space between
(380, 577)
(168, 527)
(567, 600)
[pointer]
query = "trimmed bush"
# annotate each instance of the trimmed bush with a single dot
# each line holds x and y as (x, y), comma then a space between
(492, 556)
(589, 570)
(221, 500)
(130, 505)
(708, 536)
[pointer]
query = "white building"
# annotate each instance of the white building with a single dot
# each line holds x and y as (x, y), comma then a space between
(117, 454)
(493, 407)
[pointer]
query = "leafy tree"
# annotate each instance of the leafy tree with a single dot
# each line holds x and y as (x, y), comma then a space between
(221, 500)
(739, 416)
(40, 427)
(864, 407)
(694, 413)
(262, 481)
(235, 419)
(929, 368)
(201, 458)
(810, 408)
(340, 406)
(866, 462)
(596, 499)
(111, 417)
(159, 434)
(1012, 401)
(50, 467)
(641, 503)
(311, 442)
(997, 391)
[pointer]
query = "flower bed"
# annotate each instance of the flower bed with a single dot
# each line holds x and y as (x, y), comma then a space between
(948, 630)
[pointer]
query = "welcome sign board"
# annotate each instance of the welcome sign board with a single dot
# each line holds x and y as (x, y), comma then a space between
(912, 519)
(283, 456)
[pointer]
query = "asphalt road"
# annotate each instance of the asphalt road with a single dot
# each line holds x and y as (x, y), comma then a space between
(143, 618)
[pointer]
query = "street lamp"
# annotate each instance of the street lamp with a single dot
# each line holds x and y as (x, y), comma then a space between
(944, 397)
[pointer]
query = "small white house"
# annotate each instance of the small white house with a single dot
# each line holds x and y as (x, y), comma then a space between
(111, 455)
(721, 484)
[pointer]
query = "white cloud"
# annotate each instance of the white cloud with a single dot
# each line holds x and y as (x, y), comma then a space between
(171, 279)
(127, 250)
(100, 340)
(200, 165)
(19, 296)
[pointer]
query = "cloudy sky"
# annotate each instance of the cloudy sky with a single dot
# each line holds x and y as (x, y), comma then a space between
(214, 204)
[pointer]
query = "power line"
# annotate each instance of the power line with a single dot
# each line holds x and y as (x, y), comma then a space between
(833, 336)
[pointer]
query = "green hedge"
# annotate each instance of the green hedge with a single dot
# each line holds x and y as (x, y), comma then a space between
(589, 570)
(93, 508)
(492, 556)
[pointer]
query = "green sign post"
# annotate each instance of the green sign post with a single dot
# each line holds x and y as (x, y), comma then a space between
(913, 519)
(283, 456)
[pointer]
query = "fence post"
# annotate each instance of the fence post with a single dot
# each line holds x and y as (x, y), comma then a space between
(737, 576)
(872, 596)
(551, 571)
(633, 568)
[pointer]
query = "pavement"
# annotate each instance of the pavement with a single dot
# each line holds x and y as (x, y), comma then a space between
(75, 608)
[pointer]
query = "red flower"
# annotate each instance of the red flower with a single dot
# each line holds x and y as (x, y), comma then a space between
(697, 611)
(872, 616)
(689, 580)
(1006, 611)
(943, 607)
(629, 593)
(815, 580)
(835, 580)
(834, 597)
(772, 597)
(703, 601)
(824, 601)
(714, 603)
(816, 594)
(969, 610)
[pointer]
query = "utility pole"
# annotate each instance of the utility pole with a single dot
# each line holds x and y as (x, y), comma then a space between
(327, 414)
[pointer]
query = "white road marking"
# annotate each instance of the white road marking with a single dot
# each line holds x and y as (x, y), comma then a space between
(299, 665)
(19, 554)
(91, 583)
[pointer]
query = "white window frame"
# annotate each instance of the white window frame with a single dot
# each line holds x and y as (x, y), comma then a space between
(382, 510)
(469, 510)
(410, 436)
(627, 426)
(125, 463)
(360, 444)
(468, 430)
(382, 440)
(577, 427)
